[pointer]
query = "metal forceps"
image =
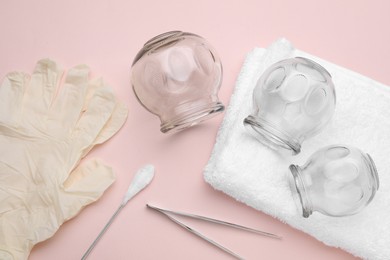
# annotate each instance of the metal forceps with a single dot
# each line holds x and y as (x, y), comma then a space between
(170, 213)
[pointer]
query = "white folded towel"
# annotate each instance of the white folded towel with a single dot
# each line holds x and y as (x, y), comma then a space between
(243, 168)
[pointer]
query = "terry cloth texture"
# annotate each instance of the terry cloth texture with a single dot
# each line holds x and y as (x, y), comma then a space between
(245, 169)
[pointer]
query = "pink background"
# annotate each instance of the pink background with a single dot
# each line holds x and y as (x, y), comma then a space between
(106, 35)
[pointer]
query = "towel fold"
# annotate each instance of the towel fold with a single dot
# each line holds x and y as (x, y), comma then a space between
(245, 169)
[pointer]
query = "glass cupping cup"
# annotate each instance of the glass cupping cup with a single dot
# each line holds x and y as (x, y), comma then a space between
(292, 100)
(337, 181)
(177, 76)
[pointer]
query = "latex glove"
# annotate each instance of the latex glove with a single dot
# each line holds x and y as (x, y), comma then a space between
(42, 139)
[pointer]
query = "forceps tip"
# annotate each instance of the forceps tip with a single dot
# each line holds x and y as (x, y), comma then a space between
(151, 207)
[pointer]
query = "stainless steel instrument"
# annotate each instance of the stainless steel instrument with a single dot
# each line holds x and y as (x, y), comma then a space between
(170, 213)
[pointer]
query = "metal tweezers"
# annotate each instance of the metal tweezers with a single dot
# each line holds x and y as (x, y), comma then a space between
(169, 213)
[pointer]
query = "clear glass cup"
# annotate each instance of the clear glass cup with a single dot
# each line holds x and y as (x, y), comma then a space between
(336, 181)
(293, 100)
(177, 76)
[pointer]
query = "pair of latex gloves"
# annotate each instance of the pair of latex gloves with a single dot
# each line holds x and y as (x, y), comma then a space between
(48, 123)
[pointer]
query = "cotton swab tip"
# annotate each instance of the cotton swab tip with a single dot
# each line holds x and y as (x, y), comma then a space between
(141, 179)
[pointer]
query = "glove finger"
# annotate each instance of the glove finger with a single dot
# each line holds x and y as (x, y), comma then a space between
(85, 185)
(98, 112)
(11, 97)
(116, 121)
(69, 104)
(113, 125)
(43, 85)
